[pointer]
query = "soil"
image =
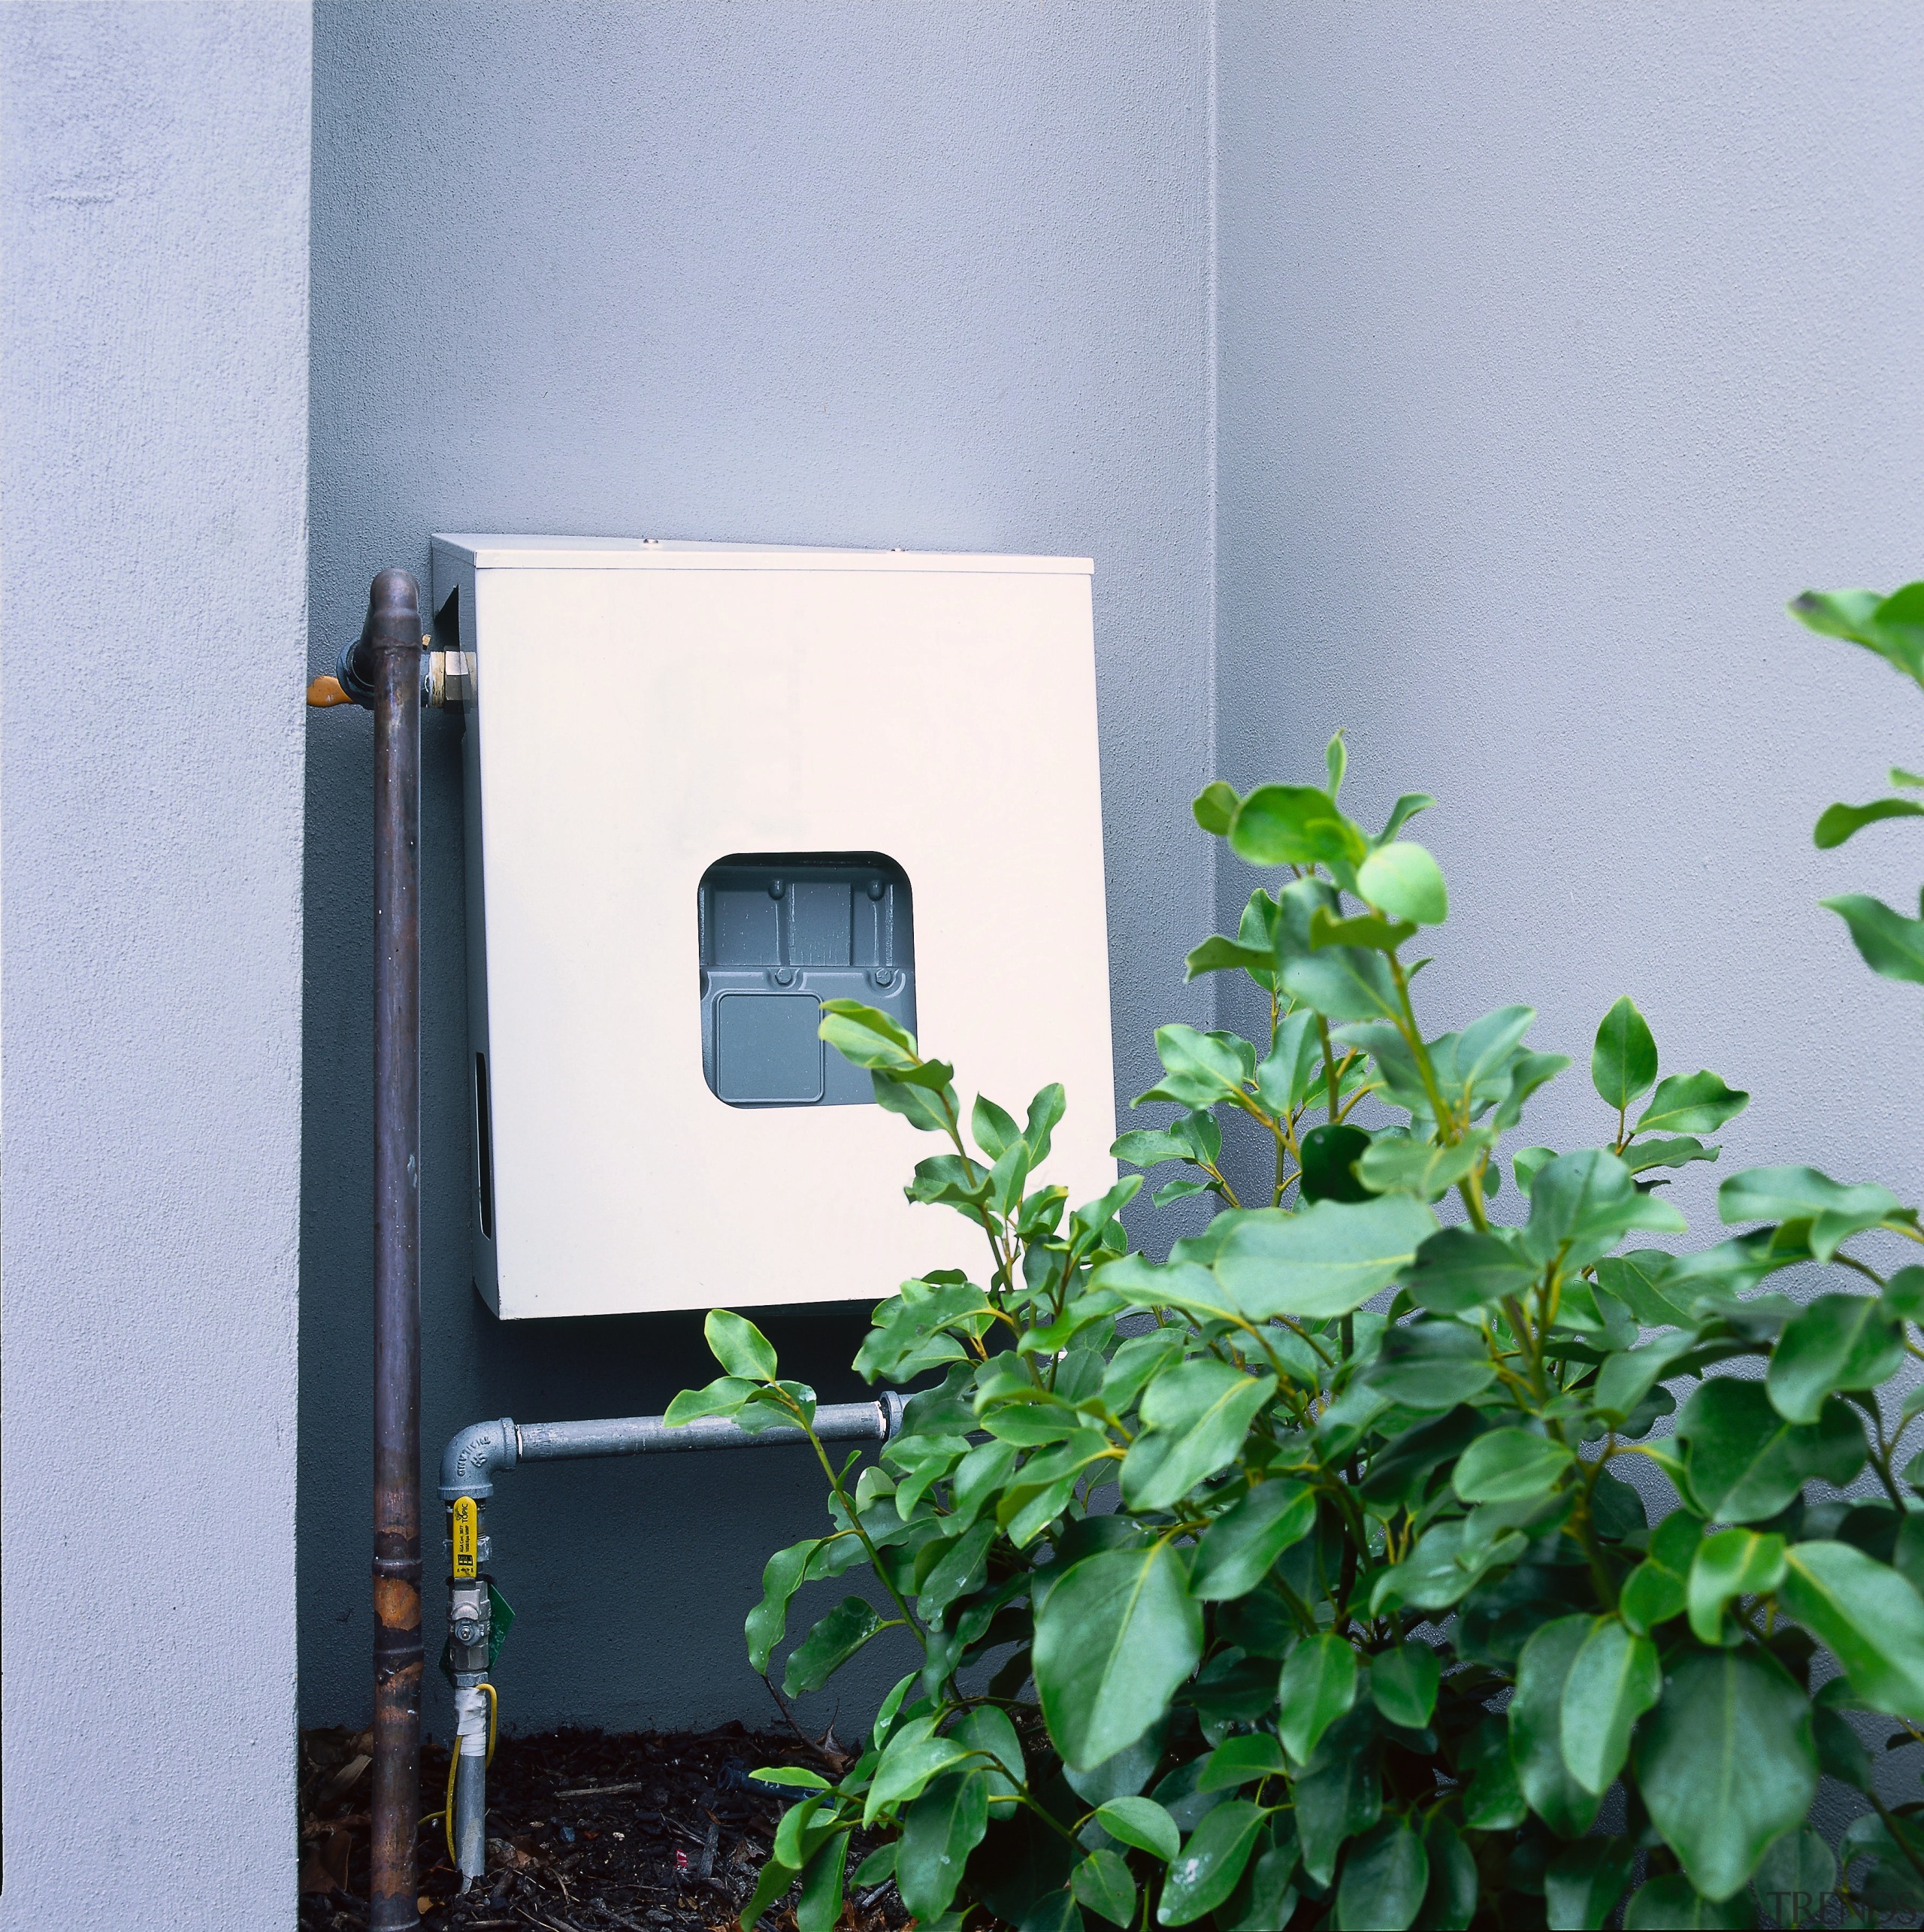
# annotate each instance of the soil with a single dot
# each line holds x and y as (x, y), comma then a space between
(646, 1831)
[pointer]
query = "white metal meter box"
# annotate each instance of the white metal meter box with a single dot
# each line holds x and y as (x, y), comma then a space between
(709, 786)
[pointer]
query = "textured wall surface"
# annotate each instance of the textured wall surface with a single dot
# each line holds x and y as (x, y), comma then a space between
(839, 273)
(154, 226)
(1559, 346)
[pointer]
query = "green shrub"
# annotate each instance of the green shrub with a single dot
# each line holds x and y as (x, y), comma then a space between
(1231, 1598)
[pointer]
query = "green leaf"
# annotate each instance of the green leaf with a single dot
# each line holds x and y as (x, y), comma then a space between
(1797, 1871)
(768, 1623)
(1623, 1061)
(1103, 1883)
(1330, 1151)
(959, 1569)
(1326, 1261)
(1116, 1639)
(1340, 1794)
(1366, 929)
(1658, 1589)
(1866, 1615)
(1886, 625)
(1294, 825)
(1295, 1065)
(1385, 1876)
(1404, 881)
(1745, 1462)
(1583, 1204)
(1671, 1904)
(1726, 1763)
(1528, 1072)
(866, 1035)
(1215, 808)
(1836, 1342)
(1675, 1150)
(1195, 1417)
(1219, 955)
(1448, 1560)
(1834, 1211)
(939, 1831)
(739, 1345)
(1583, 1882)
(722, 1396)
(1045, 1113)
(1239, 1549)
(1431, 1364)
(1336, 761)
(1837, 822)
(1536, 1725)
(1450, 1904)
(1615, 1678)
(1342, 982)
(994, 1128)
(1421, 1167)
(1242, 1760)
(1892, 946)
(1142, 1823)
(911, 1758)
(829, 1645)
(1697, 1103)
(1206, 1871)
(1904, 1295)
(1636, 1279)
(774, 1879)
(1405, 808)
(1509, 1466)
(820, 1904)
(1265, 1899)
(1731, 1563)
(1403, 1683)
(1458, 1271)
(1318, 1686)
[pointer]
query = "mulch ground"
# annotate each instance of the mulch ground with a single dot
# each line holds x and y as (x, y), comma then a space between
(645, 1831)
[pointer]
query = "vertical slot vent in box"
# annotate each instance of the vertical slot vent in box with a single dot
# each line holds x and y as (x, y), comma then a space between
(484, 1145)
(780, 933)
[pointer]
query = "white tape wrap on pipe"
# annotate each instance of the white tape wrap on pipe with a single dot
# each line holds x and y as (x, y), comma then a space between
(470, 1721)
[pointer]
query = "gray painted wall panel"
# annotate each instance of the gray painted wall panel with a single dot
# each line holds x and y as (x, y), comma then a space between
(154, 226)
(844, 273)
(1560, 345)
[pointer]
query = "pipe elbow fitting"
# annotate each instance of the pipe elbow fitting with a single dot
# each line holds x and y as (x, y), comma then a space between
(470, 1459)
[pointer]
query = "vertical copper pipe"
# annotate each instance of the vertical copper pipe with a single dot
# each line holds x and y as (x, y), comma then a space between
(393, 641)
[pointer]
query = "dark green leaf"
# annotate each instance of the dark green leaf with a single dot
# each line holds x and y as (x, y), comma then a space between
(1904, 1295)
(1730, 1563)
(1636, 1279)
(1869, 1618)
(1745, 1462)
(1432, 1365)
(939, 1831)
(1696, 1103)
(829, 1645)
(994, 1129)
(1536, 1723)
(1403, 1682)
(1836, 1342)
(1892, 946)
(1340, 1794)
(1671, 1904)
(1330, 1152)
(1385, 1876)
(1045, 1113)
(911, 1758)
(1726, 1764)
(1837, 822)
(1325, 1262)
(1798, 1872)
(1623, 1061)
(1143, 1823)
(1318, 1686)
(1613, 1679)
(1509, 1466)
(1676, 1150)
(1835, 1212)
(1224, 955)
(1102, 1883)
(774, 1880)
(1528, 1072)
(1582, 1205)
(1206, 1871)
(768, 1623)
(1450, 1903)
(1195, 1416)
(820, 1904)
(1239, 1548)
(1583, 1882)
(1117, 1637)
(1265, 1899)
(1242, 1760)
(1457, 1269)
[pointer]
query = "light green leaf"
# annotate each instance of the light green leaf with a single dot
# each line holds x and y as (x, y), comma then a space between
(1142, 1823)
(739, 1345)
(1509, 1466)
(1536, 1726)
(1318, 1686)
(1887, 625)
(1745, 1462)
(1326, 1261)
(1403, 1683)
(1834, 1211)
(1342, 982)
(1615, 1678)
(1697, 1103)
(1892, 946)
(1385, 1875)
(722, 1396)
(1195, 1416)
(1116, 1639)
(1206, 1871)
(792, 1775)
(1421, 1167)
(866, 1035)
(1837, 822)
(1366, 929)
(1215, 808)
(939, 1831)
(1836, 1342)
(1731, 1563)
(1405, 808)
(1294, 825)
(1238, 1548)
(1403, 880)
(1336, 761)
(1869, 1618)
(912, 1759)
(1583, 1204)
(1623, 1061)
(1726, 1764)
(1295, 1065)
(1242, 1761)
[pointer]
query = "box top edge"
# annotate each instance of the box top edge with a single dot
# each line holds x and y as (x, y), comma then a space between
(539, 552)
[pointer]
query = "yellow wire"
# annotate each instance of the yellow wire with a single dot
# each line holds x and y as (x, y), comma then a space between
(454, 1764)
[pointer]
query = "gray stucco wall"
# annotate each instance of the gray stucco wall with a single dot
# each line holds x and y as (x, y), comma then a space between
(1559, 346)
(153, 224)
(839, 273)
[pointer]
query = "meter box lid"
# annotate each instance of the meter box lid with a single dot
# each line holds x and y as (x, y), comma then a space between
(710, 786)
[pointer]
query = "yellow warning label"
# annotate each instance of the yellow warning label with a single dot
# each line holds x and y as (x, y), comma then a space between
(466, 1538)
